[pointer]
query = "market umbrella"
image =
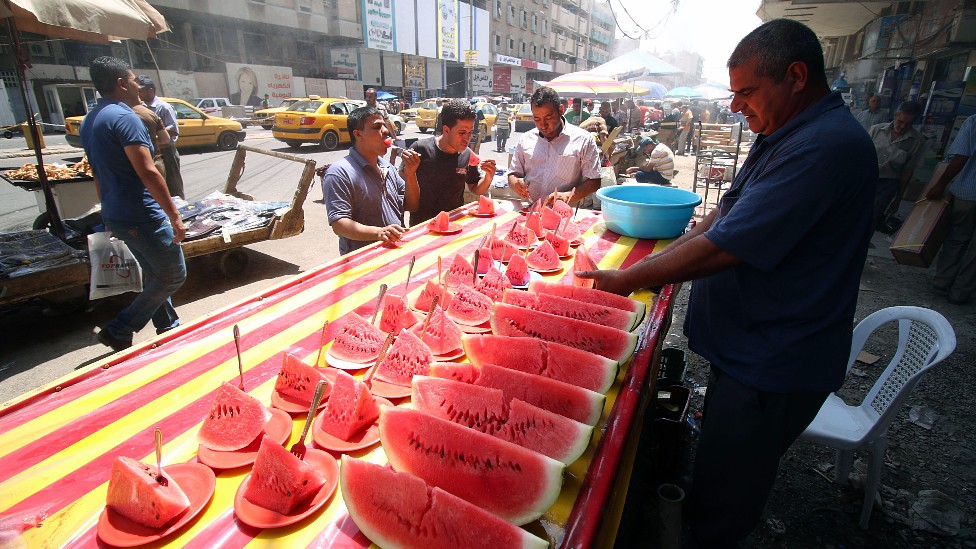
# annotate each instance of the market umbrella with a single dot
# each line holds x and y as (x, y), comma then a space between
(636, 64)
(714, 92)
(384, 95)
(587, 84)
(683, 92)
(657, 90)
(85, 20)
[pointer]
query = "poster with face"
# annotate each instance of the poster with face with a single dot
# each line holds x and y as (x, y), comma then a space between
(248, 84)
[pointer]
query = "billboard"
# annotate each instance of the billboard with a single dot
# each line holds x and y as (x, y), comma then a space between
(378, 29)
(249, 83)
(447, 29)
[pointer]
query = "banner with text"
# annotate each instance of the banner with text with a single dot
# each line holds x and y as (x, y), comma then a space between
(378, 24)
(346, 61)
(414, 71)
(480, 80)
(249, 83)
(501, 79)
(447, 32)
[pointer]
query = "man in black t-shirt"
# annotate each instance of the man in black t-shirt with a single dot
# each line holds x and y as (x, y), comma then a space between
(445, 164)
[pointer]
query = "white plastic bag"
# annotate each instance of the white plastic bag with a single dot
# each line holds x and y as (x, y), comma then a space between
(114, 270)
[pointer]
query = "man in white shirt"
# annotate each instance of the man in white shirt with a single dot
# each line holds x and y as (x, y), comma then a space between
(659, 166)
(171, 157)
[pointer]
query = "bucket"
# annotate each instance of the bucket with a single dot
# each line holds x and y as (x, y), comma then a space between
(647, 211)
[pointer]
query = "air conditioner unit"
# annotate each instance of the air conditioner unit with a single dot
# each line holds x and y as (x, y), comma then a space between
(147, 57)
(40, 49)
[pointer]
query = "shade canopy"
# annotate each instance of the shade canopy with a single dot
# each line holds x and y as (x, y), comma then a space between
(636, 64)
(384, 95)
(655, 89)
(587, 84)
(86, 20)
(684, 92)
(713, 92)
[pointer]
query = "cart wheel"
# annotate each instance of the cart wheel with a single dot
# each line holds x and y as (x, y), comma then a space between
(233, 263)
(8, 134)
(42, 222)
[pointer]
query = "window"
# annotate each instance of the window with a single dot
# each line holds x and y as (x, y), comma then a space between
(544, 55)
(511, 44)
(545, 27)
(498, 10)
(330, 4)
(511, 14)
(498, 42)
(535, 51)
(523, 44)
(257, 45)
(185, 113)
(306, 50)
(535, 23)
(523, 19)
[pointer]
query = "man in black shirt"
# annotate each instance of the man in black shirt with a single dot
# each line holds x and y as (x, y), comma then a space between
(446, 163)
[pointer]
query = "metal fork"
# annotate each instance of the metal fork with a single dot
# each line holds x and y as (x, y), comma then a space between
(299, 447)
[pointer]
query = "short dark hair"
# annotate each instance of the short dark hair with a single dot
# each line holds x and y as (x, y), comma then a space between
(911, 108)
(455, 110)
(777, 44)
(357, 120)
(145, 81)
(545, 96)
(105, 71)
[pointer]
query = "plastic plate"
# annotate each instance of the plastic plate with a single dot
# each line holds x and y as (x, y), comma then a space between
(259, 517)
(364, 439)
(278, 428)
(453, 228)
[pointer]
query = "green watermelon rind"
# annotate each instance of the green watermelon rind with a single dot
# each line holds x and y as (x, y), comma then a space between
(416, 513)
(491, 473)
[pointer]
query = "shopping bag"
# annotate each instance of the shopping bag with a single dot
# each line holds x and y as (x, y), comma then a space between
(114, 270)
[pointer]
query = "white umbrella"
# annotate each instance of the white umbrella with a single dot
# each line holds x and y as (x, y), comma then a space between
(714, 92)
(636, 64)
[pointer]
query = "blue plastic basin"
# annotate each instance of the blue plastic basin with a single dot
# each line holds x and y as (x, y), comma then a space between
(647, 211)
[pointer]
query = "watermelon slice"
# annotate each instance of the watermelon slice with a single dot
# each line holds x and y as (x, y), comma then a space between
(559, 243)
(280, 481)
(486, 206)
(422, 303)
(350, 408)
(542, 358)
(583, 262)
(561, 398)
(609, 342)
(544, 258)
(408, 356)
(297, 379)
(485, 261)
(469, 307)
(493, 284)
(564, 210)
(442, 334)
(518, 271)
(359, 341)
(396, 315)
(550, 219)
(520, 236)
(400, 510)
(570, 230)
(134, 493)
(533, 222)
(502, 250)
(440, 223)
(460, 272)
(235, 420)
(589, 295)
(517, 484)
(580, 310)
(485, 409)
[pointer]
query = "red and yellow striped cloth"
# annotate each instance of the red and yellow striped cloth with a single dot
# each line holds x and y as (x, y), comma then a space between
(57, 443)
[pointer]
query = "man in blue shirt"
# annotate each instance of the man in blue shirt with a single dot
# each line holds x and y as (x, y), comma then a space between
(136, 206)
(776, 268)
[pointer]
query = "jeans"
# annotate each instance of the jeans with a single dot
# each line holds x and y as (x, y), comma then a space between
(651, 177)
(163, 272)
(955, 269)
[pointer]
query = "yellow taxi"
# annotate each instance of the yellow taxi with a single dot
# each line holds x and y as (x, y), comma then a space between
(426, 114)
(491, 113)
(317, 119)
(265, 117)
(197, 129)
(524, 120)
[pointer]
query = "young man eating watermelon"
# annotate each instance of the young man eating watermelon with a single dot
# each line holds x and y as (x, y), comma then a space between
(776, 268)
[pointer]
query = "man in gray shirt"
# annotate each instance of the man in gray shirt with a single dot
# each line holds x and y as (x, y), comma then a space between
(364, 194)
(873, 114)
(171, 157)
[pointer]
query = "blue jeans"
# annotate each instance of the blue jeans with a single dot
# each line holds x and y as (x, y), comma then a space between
(163, 272)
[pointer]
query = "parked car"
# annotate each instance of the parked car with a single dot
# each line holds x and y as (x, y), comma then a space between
(197, 129)
(409, 114)
(491, 113)
(319, 120)
(523, 118)
(398, 122)
(427, 114)
(265, 117)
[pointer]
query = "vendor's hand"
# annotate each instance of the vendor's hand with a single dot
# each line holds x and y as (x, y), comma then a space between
(390, 233)
(556, 195)
(610, 280)
(521, 187)
(179, 229)
(488, 166)
(936, 192)
(411, 160)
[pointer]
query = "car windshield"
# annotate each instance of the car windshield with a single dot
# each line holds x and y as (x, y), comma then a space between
(306, 106)
(526, 109)
(287, 102)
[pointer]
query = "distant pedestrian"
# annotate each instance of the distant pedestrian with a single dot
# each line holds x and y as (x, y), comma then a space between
(265, 103)
(503, 126)
(873, 115)
(171, 156)
(899, 147)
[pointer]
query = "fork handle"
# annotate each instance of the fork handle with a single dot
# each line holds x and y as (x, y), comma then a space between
(316, 398)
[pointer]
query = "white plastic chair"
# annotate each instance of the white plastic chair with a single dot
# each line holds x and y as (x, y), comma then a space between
(925, 338)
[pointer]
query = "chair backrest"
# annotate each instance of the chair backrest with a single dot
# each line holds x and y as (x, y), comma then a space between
(925, 338)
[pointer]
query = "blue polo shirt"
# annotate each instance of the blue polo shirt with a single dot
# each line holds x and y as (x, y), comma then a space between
(964, 185)
(105, 132)
(799, 217)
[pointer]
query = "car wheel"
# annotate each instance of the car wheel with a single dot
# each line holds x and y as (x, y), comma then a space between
(399, 128)
(423, 130)
(330, 140)
(227, 141)
(267, 127)
(8, 134)
(294, 144)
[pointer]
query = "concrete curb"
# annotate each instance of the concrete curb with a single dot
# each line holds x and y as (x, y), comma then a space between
(23, 153)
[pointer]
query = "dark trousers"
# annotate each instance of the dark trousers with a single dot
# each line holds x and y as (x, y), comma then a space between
(651, 177)
(883, 195)
(174, 179)
(744, 434)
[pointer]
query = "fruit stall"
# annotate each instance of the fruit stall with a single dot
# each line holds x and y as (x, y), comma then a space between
(161, 403)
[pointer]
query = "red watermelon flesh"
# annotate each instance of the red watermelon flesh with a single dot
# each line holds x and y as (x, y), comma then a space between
(297, 379)
(561, 398)
(518, 271)
(442, 334)
(533, 222)
(550, 219)
(359, 341)
(134, 493)
(589, 295)
(469, 307)
(516, 484)
(396, 315)
(440, 223)
(580, 310)
(400, 510)
(235, 420)
(502, 250)
(408, 356)
(460, 272)
(280, 481)
(542, 358)
(559, 243)
(544, 258)
(485, 261)
(563, 209)
(612, 343)
(521, 236)
(583, 262)
(493, 284)
(570, 230)
(427, 294)
(485, 409)
(350, 408)
(486, 206)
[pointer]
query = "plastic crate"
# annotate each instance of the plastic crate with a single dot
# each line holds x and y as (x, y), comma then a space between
(674, 364)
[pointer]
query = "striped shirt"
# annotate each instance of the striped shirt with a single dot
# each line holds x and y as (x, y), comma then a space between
(571, 158)
(662, 160)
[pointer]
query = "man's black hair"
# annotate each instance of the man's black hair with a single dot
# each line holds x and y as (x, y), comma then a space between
(454, 111)
(145, 82)
(545, 96)
(105, 72)
(777, 44)
(911, 108)
(357, 120)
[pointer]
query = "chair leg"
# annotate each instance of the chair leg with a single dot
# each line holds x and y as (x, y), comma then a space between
(877, 450)
(842, 465)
